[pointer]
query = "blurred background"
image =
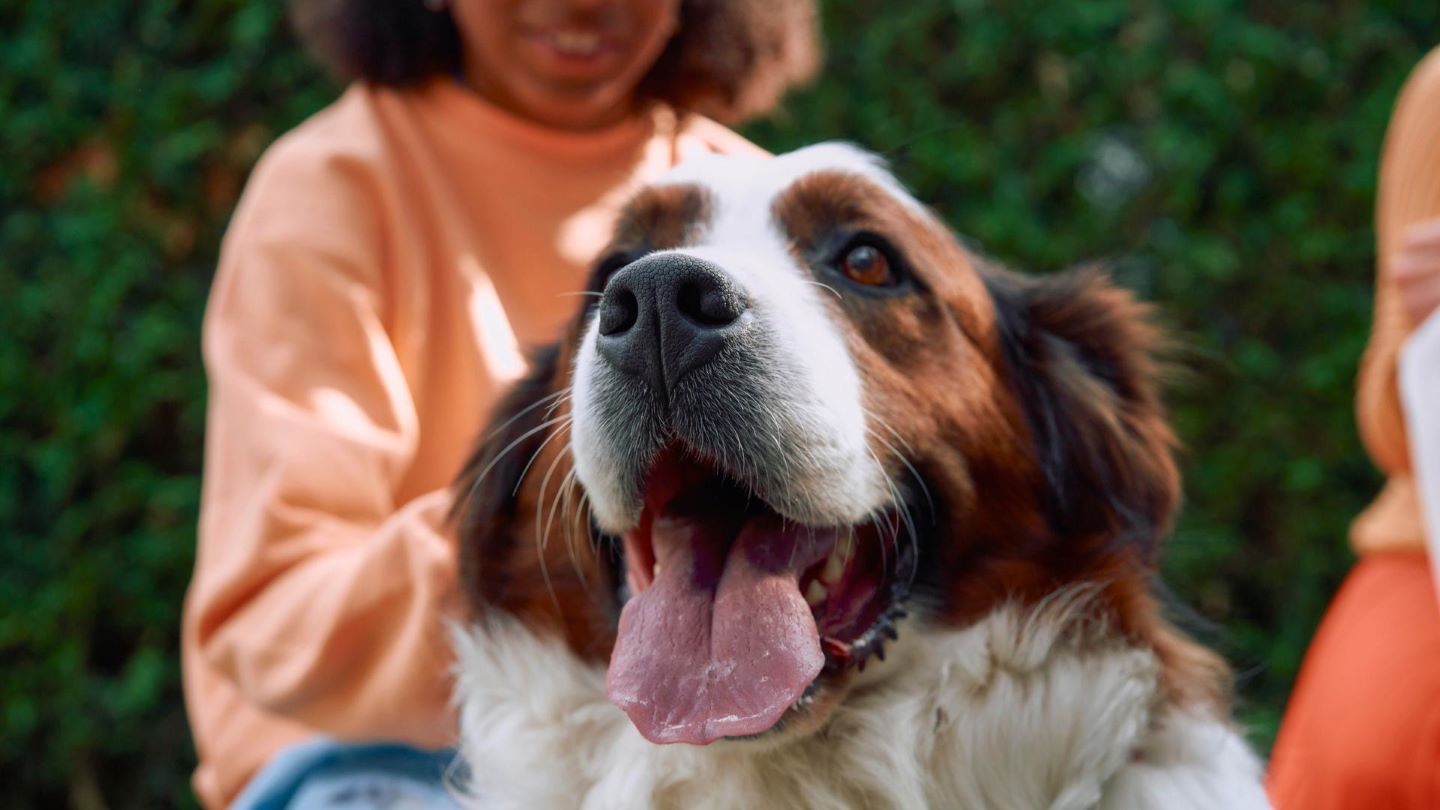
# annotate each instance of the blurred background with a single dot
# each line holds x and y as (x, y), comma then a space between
(1221, 155)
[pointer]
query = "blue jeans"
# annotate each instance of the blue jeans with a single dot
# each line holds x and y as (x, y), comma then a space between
(333, 775)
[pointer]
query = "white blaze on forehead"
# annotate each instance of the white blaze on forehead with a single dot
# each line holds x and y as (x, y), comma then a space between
(750, 183)
(826, 392)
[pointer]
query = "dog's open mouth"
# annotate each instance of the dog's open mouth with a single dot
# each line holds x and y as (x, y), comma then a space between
(735, 612)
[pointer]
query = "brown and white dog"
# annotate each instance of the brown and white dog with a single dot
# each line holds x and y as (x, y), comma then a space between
(808, 481)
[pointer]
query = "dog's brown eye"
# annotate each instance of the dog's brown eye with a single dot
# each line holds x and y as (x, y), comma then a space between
(866, 264)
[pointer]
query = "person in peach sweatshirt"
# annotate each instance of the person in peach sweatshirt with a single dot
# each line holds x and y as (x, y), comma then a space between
(1362, 729)
(387, 267)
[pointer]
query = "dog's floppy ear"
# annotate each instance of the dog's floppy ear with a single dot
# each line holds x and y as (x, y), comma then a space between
(1082, 357)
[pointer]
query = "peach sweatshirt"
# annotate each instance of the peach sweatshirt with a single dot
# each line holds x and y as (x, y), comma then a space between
(387, 266)
(1409, 193)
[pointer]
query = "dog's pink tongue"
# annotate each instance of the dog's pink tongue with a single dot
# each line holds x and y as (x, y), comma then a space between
(722, 642)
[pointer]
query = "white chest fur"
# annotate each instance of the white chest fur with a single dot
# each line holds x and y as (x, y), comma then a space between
(1018, 712)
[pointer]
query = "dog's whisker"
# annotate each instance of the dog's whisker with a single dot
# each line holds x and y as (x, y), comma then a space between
(555, 501)
(567, 514)
(475, 487)
(542, 535)
(898, 516)
(549, 521)
(526, 471)
(570, 546)
(893, 432)
(557, 403)
(584, 509)
(832, 290)
(560, 395)
(914, 473)
(545, 487)
(891, 521)
(541, 538)
(902, 513)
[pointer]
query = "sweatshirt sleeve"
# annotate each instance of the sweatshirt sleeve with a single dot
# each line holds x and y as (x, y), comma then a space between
(1409, 193)
(318, 589)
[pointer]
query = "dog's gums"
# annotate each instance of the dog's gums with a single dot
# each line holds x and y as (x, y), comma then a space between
(734, 613)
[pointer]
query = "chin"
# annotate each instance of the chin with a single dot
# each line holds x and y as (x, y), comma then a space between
(573, 107)
(813, 507)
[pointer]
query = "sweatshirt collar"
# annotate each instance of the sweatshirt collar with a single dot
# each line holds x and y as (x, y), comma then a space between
(468, 109)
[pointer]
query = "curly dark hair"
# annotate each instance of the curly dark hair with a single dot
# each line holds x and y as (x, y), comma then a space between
(730, 59)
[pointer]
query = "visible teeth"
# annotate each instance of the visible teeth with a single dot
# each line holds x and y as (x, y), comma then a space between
(655, 571)
(835, 565)
(575, 41)
(815, 594)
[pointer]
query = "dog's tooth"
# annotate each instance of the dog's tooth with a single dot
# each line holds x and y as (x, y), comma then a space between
(846, 545)
(815, 594)
(834, 567)
(655, 571)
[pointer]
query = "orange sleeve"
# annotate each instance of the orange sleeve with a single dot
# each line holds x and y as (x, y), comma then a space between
(1409, 193)
(317, 587)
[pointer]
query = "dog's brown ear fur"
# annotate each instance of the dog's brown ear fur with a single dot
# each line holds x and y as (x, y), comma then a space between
(1082, 356)
(1081, 352)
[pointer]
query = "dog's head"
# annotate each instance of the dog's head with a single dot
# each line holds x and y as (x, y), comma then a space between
(794, 410)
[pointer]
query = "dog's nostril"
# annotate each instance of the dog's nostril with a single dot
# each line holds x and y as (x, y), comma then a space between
(618, 311)
(707, 304)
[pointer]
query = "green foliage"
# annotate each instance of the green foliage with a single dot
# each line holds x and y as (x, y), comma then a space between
(126, 131)
(1222, 158)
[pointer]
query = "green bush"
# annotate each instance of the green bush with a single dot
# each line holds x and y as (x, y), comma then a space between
(126, 131)
(1222, 158)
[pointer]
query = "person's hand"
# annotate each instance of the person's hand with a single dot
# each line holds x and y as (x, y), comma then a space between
(1416, 269)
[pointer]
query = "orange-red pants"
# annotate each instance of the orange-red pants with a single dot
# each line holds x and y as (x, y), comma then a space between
(1362, 729)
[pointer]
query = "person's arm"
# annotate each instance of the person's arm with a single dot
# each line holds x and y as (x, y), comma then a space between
(1409, 194)
(1408, 289)
(319, 584)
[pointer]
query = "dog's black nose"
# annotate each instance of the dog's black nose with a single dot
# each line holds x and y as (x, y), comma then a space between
(666, 315)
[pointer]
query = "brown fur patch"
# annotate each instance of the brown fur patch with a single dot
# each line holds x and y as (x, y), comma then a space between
(663, 218)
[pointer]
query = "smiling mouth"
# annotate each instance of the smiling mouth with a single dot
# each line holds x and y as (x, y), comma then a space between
(572, 46)
(574, 42)
(735, 614)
